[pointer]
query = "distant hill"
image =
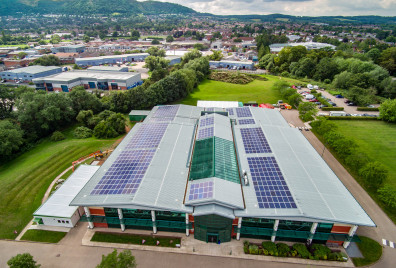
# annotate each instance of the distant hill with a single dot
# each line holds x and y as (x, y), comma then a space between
(90, 7)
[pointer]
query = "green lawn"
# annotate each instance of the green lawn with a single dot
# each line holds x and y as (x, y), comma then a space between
(43, 236)
(24, 180)
(259, 91)
(376, 138)
(135, 239)
(370, 249)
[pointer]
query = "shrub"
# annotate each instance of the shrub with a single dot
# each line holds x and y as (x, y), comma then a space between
(333, 109)
(373, 174)
(302, 251)
(270, 247)
(57, 136)
(320, 251)
(387, 194)
(253, 249)
(367, 109)
(327, 81)
(104, 130)
(283, 250)
(246, 247)
(82, 133)
(234, 78)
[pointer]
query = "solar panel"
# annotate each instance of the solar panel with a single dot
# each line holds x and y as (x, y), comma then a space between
(204, 133)
(125, 174)
(166, 111)
(201, 190)
(161, 119)
(230, 111)
(246, 121)
(206, 121)
(269, 184)
(254, 141)
(210, 109)
(147, 136)
(243, 112)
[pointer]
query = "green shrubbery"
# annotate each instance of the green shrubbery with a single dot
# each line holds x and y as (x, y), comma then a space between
(333, 108)
(231, 77)
(367, 109)
(314, 252)
(82, 133)
(57, 136)
(350, 117)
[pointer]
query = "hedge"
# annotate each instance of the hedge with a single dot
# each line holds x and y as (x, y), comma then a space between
(333, 109)
(351, 117)
(367, 109)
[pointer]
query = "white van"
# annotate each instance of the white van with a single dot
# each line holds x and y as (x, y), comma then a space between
(338, 113)
(310, 87)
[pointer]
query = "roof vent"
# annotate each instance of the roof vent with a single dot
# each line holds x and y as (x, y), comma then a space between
(245, 178)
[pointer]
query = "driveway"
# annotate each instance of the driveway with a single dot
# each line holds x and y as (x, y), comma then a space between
(140, 69)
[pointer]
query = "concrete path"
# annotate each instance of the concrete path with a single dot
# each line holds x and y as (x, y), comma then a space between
(385, 229)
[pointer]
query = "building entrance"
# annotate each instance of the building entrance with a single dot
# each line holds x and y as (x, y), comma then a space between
(212, 238)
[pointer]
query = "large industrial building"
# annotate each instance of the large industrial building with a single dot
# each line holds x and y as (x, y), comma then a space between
(113, 59)
(68, 49)
(219, 174)
(104, 80)
(248, 65)
(27, 74)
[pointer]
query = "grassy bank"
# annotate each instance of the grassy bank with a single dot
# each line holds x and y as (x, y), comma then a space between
(43, 236)
(258, 90)
(135, 239)
(24, 180)
(370, 249)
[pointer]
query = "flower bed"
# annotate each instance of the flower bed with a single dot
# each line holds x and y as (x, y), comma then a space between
(298, 250)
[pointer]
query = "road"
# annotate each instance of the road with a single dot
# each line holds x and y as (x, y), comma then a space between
(385, 229)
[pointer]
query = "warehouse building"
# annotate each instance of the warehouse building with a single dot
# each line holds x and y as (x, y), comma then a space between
(113, 59)
(27, 74)
(68, 49)
(56, 210)
(242, 65)
(173, 60)
(219, 174)
(108, 68)
(90, 80)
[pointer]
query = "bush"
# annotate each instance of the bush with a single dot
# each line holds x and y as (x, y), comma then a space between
(234, 78)
(320, 251)
(270, 247)
(387, 194)
(373, 174)
(253, 249)
(82, 133)
(104, 130)
(333, 109)
(367, 109)
(57, 136)
(302, 251)
(283, 250)
(327, 81)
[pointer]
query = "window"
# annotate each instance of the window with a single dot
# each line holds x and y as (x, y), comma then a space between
(67, 221)
(59, 221)
(63, 221)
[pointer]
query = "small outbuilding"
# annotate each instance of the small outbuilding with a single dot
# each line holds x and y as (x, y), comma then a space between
(138, 115)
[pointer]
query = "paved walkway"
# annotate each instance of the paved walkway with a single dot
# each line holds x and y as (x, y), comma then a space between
(385, 229)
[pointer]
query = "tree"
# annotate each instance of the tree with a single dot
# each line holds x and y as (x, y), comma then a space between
(83, 100)
(388, 111)
(11, 138)
(135, 35)
(7, 101)
(82, 133)
(153, 62)
(200, 46)
(155, 51)
(388, 60)
(47, 60)
(24, 260)
(169, 39)
(326, 69)
(104, 130)
(155, 42)
(373, 174)
(216, 56)
(86, 39)
(124, 259)
(22, 55)
(55, 39)
(193, 54)
(117, 122)
(84, 117)
(307, 110)
(387, 194)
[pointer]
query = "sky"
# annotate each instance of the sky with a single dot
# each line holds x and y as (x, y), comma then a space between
(292, 7)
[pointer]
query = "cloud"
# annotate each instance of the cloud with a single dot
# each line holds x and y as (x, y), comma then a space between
(292, 7)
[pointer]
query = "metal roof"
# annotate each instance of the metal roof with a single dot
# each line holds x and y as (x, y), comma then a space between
(318, 193)
(68, 76)
(57, 204)
(218, 104)
(36, 69)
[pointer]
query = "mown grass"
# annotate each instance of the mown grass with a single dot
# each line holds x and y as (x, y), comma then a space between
(258, 90)
(370, 249)
(43, 236)
(135, 239)
(24, 180)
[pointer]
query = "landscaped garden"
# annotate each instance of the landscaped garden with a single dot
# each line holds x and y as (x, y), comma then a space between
(43, 236)
(370, 249)
(146, 240)
(298, 250)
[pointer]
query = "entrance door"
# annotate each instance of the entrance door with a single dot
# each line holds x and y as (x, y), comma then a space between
(212, 238)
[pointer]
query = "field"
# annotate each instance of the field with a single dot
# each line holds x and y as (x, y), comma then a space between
(259, 91)
(376, 138)
(24, 180)
(43, 236)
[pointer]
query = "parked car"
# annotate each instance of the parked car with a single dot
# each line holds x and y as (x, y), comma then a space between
(313, 100)
(370, 106)
(2, 81)
(318, 103)
(347, 101)
(339, 96)
(351, 104)
(332, 104)
(322, 106)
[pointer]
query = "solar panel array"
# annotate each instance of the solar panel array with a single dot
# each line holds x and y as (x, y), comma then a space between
(166, 111)
(269, 183)
(254, 141)
(210, 109)
(125, 174)
(246, 121)
(201, 190)
(208, 121)
(243, 112)
(230, 111)
(204, 133)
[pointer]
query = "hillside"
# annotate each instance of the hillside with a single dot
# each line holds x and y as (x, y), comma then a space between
(90, 7)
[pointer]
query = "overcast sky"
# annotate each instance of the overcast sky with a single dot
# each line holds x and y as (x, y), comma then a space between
(293, 7)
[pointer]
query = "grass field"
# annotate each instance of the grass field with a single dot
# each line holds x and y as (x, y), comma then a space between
(135, 239)
(259, 91)
(43, 236)
(24, 180)
(370, 249)
(376, 138)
